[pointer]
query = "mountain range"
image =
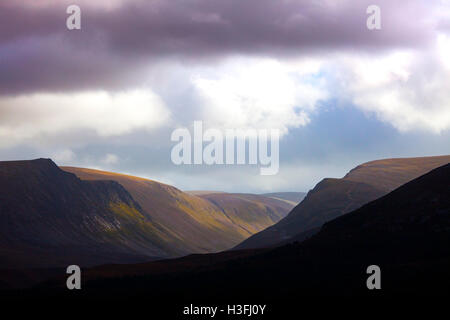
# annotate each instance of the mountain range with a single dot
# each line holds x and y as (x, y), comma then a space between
(405, 233)
(52, 217)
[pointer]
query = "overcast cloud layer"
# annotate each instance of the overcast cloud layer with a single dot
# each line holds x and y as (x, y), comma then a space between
(110, 94)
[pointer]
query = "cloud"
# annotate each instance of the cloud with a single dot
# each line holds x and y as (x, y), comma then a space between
(101, 4)
(110, 159)
(25, 118)
(408, 89)
(63, 156)
(260, 93)
(240, 61)
(118, 43)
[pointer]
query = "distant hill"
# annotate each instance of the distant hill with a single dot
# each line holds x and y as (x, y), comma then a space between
(202, 192)
(331, 198)
(292, 197)
(252, 212)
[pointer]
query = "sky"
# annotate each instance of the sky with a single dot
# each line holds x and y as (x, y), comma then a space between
(110, 95)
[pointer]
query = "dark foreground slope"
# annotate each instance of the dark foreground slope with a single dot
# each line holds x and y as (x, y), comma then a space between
(406, 233)
(332, 198)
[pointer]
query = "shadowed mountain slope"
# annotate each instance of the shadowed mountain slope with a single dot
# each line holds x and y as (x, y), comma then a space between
(331, 198)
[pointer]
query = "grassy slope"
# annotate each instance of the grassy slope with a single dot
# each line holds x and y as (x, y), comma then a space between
(252, 213)
(196, 223)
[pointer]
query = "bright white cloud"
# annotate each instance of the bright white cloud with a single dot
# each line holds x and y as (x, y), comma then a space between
(410, 90)
(260, 93)
(443, 47)
(106, 115)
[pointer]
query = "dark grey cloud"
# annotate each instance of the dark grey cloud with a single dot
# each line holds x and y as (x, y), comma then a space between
(117, 46)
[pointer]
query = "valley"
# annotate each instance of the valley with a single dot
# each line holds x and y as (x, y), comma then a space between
(51, 217)
(404, 231)
(407, 238)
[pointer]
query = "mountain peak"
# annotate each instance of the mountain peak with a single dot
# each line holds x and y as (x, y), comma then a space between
(34, 162)
(27, 167)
